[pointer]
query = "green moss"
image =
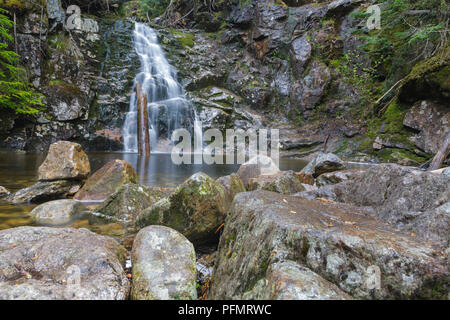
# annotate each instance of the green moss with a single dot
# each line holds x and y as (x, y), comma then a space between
(394, 116)
(185, 39)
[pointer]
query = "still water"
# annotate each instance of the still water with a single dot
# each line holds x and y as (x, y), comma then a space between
(19, 170)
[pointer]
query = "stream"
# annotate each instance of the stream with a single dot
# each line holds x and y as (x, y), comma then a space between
(19, 170)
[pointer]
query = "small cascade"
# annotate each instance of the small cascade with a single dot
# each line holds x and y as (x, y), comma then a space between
(167, 107)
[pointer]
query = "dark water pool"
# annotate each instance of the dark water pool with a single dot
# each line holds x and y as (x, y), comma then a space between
(19, 170)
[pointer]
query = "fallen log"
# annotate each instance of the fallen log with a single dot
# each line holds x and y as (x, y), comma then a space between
(142, 115)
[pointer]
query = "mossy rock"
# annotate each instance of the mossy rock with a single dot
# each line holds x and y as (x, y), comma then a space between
(196, 209)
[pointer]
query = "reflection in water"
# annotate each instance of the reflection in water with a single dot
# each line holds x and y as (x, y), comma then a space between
(19, 170)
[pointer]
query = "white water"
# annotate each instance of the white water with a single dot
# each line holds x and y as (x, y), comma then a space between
(168, 108)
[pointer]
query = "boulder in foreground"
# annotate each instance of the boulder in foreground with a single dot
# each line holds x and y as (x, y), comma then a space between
(41, 263)
(164, 266)
(285, 182)
(196, 209)
(65, 160)
(334, 241)
(107, 180)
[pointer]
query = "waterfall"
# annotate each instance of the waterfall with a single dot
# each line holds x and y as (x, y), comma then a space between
(168, 108)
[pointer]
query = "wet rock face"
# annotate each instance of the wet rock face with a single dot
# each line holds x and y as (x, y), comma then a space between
(196, 209)
(40, 263)
(107, 180)
(433, 123)
(164, 266)
(268, 240)
(58, 212)
(286, 182)
(300, 54)
(323, 163)
(65, 160)
(45, 191)
(409, 199)
(130, 200)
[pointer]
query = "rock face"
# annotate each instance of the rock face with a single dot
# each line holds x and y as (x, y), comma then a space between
(45, 191)
(300, 54)
(164, 266)
(56, 212)
(3, 192)
(60, 263)
(130, 200)
(65, 160)
(323, 163)
(266, 239)
(196, 209)
(232, 184)
(433, 123)
(286, 182)
(409, 199)
(107, 180)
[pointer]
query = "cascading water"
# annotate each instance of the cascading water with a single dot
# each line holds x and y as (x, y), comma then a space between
(168, 108)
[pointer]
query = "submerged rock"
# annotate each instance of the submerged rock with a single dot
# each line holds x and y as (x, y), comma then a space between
(45, 191)
(40, 263)
(196, 209)
(65, 160)
(363, 257)
(164, 266)
(232, 184)
(131, 199)
(107, 180)
(286, 182)
(56, 212)
(3, 192)
(323, 163)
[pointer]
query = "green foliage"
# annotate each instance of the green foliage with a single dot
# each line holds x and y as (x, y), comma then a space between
(14, 92)
(152, 8)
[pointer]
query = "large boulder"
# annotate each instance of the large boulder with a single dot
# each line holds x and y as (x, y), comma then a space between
(432, 121)
(232, 184)
(409, 199)
(255, 167)
(164, 266)
(286, 182)
(65, 160)
(196, 209)
(363, 257)
(126, 203)
(45, 191)
(40, 263)
(323, 163)
(107, 180)
(57, 212)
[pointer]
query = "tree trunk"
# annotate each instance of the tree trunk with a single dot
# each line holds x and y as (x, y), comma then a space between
(441, 155)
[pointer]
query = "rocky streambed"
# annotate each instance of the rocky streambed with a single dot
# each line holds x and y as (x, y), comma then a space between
(325, 232)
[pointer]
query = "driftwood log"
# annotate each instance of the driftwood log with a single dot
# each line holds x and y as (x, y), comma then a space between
(142, 118)
(441, 155)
